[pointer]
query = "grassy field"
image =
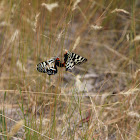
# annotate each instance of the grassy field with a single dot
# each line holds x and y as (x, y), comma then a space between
(98, 100)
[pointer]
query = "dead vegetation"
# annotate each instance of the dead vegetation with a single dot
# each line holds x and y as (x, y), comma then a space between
(99, 99)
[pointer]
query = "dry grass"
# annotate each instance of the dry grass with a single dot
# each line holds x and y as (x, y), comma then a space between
(99, 99)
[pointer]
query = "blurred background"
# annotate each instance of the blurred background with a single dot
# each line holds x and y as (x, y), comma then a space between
(99, 99)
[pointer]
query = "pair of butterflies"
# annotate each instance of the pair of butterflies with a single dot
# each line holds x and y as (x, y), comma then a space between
(70, 60)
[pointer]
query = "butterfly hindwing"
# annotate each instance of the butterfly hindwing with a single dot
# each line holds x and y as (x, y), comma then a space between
(41, 67)
(69, 64)
(51, 71)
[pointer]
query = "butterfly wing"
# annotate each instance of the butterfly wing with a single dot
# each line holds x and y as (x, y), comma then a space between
(73, 59)
(77, 59)
(41, 67)
(51, 71)
(48, 67)
(69, 65)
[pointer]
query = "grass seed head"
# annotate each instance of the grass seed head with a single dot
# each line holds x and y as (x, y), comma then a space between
(76, 43)
(137, 38)
(96, 27)
(15, 128)
(75, 4)
(51, 6)
(120, 10)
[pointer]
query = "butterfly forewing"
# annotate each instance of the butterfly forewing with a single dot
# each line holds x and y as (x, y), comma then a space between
(78, 59)
(73, 59)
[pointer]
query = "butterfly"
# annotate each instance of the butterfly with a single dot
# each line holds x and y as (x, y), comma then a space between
(49, 66)
(72, 59)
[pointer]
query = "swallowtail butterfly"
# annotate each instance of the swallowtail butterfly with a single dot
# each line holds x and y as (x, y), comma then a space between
(70, 60)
